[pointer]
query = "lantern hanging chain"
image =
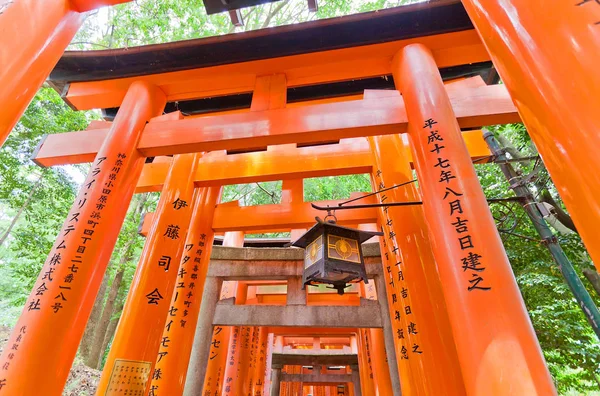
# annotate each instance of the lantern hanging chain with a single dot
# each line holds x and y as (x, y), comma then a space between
(377, 192)
(331, 210)
(489, 157)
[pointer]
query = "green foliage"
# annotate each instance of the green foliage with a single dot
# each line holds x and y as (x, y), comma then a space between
(39, 197)
(159, 21)
(335, 187)
(569, 344)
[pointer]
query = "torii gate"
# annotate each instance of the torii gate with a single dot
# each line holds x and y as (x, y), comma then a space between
(460, 323)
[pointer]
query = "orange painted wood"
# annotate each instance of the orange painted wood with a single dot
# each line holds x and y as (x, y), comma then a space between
(314, 124)
(50, 328)
(172, 363)
(559, 110)
(149, 299)
(482, 297)
(350, 156)
(88, 5)
(423, 340)
(450, 49)
(474, 107)
(35, 35)
(283, 216)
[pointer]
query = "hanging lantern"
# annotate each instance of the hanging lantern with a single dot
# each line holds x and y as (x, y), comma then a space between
(333, 255)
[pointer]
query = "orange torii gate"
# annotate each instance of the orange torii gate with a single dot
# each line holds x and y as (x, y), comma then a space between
(261, 110)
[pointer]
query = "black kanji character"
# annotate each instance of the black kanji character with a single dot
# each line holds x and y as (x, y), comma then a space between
(477, 279)
(460, 225)
(437, 148)
(41, 289)
(472, 262)
(55, 260)
(412, 328)
(429, 123)
(165, 261)
(172, 231)
(451, 191)
(179, 204)
(416, 349)
(442, 163)
(433, 137)
(446, 176)
(57, 307)
(465, 242)
(455, 206)
(154, 297)
(34, 305)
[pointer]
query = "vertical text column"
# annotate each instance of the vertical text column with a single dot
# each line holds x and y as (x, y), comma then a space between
(173, 357)
(501, 355)
(49, 330)
(424, 342)
(138, 336)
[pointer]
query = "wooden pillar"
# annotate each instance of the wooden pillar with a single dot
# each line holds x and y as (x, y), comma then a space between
(497, 348)
(275, 380)
(378, 362)
(381, 371)
(356, 388)
(557, 96)
(54, 317)
(173, 357)
(292, 191)
(270, 347)
(231, 380)
(258, 384)
(36, 35)
(139, 333)
(364, 362)
(209, 353)
(423, 340)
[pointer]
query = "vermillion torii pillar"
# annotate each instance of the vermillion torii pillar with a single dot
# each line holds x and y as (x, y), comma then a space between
(424, 342)
(173, 358)
(138, 336)
(557, 96)
(33, 37)
(497, 348)
(43, 344)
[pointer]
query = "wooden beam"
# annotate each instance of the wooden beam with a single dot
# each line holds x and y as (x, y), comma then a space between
(278, 217)
(366, 315)
(450, 49)
(349, 157)
(474, 107)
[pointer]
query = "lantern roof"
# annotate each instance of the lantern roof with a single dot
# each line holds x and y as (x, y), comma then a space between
(310, 235)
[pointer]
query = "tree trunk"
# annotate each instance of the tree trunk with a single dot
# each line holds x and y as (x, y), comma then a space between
(561, 215)
(90, 329)
(110, 332)
(20, 212)
(594, 278)
(96, 348)
(545, 196)
(91, 359)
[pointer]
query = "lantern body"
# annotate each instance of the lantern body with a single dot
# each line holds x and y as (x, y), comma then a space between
(333, 255)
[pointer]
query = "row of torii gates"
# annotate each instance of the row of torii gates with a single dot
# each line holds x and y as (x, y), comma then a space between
(449, 318)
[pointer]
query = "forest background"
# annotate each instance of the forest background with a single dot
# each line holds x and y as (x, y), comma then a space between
(35, 201)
